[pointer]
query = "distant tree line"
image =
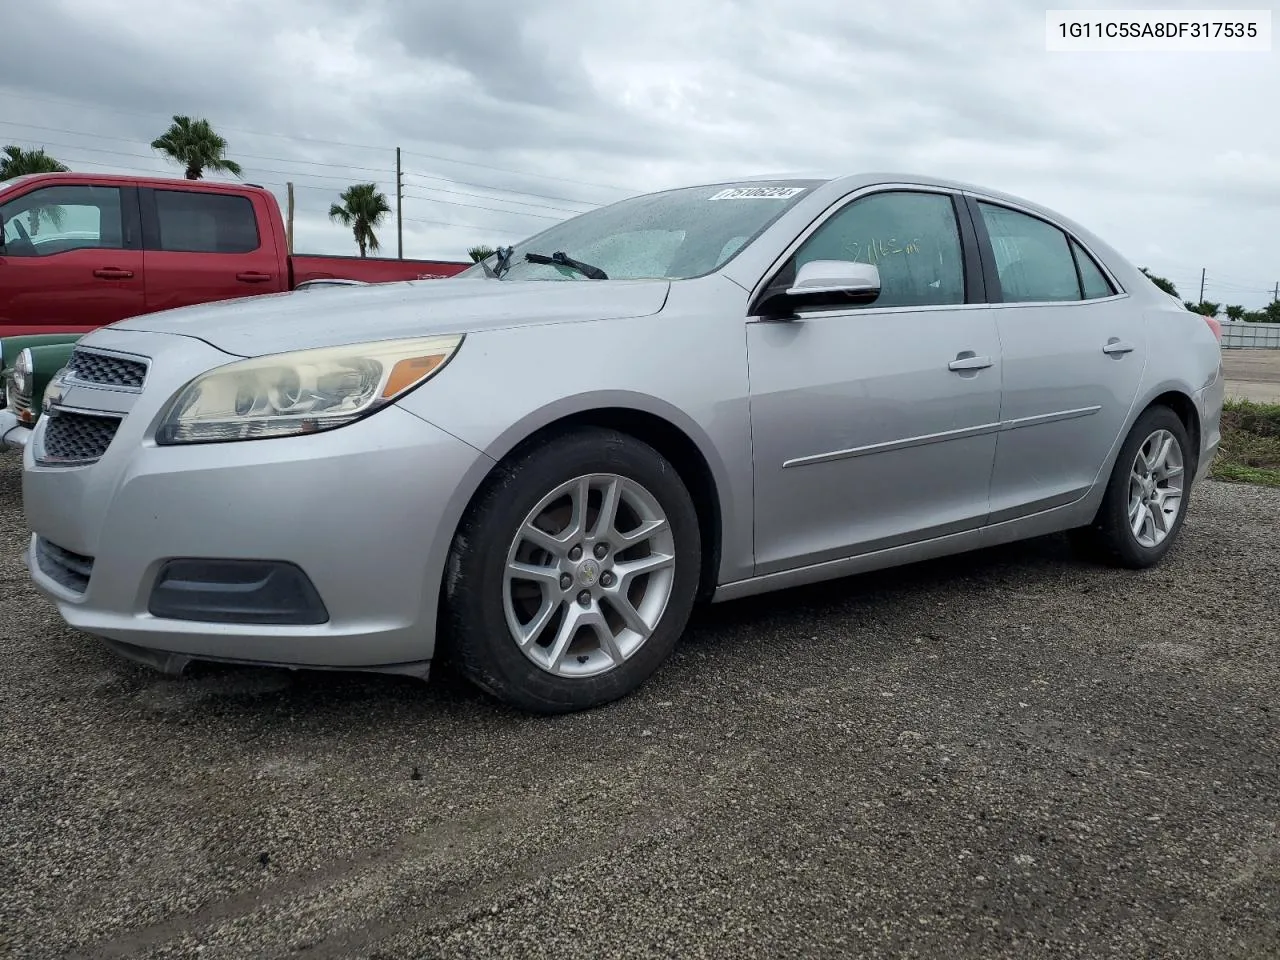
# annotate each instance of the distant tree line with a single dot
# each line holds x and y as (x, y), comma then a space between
(1268, 314)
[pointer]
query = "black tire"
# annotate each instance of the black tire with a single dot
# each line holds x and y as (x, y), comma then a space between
(477, 640)
(1110, 538)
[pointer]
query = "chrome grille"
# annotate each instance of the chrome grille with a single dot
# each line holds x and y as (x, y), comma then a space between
(106, 369)
(76, 437)
(19, 404)
(71, 570)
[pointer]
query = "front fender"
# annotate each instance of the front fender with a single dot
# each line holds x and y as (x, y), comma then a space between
(46, 361)
(10, 347)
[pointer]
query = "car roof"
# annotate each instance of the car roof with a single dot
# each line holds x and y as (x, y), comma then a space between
(845, 181)
(118, 179)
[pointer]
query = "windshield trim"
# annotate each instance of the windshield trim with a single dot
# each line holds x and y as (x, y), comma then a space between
(809, 185)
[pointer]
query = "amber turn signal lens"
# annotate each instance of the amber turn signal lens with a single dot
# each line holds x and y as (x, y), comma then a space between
(408, 372)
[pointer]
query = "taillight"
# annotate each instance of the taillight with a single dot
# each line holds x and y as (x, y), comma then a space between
(1214, 325)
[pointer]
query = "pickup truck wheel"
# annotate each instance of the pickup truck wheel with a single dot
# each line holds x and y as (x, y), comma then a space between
(573, 573)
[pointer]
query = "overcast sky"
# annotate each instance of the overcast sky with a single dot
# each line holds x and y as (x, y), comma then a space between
(511, 115)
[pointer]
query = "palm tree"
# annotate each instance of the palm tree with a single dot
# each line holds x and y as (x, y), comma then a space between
(197, 146)
(16, 162)
(362, 209)
(480, 253)
(1235, 311)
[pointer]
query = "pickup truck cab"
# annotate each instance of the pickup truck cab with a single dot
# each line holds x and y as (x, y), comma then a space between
(82, 251)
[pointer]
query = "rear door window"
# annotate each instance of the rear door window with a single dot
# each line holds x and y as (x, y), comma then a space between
(195, 222)
(1032, 257)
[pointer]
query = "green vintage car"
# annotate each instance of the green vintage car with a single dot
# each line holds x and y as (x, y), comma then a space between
(27, 364)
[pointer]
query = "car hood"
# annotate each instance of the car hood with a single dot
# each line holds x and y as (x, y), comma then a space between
(301, 320)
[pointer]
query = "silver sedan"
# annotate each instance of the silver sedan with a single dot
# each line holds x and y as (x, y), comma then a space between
(537, 468)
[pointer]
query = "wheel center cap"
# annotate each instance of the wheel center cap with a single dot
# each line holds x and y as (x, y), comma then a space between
(588, 573)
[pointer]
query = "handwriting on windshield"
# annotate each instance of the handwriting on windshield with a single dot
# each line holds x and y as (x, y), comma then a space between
(875, 250)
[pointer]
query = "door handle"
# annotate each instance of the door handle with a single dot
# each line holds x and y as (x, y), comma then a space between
(112, 273)
(252, 276)
(1117, 347)
(969, 361)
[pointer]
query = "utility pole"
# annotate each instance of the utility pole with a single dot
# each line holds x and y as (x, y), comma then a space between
(288, 231)
(399, 208)
(1202, 270)
(1276, 295)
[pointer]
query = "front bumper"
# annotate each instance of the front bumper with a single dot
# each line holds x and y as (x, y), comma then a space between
(364, 511)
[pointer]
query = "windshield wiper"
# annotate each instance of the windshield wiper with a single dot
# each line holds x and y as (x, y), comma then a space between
(561, 259)
(502, 263)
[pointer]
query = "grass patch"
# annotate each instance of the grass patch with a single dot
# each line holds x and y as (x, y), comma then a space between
(1250, 450)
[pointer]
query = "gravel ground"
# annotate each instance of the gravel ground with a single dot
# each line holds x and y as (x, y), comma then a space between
(1011, 754)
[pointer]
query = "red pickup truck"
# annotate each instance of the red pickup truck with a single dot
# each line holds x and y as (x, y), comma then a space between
(80, 251)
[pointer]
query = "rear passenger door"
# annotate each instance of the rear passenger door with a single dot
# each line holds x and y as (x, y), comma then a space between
(203, 246)
(1074, 352)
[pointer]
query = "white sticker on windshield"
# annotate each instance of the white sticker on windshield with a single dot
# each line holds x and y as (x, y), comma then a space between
(757, 193)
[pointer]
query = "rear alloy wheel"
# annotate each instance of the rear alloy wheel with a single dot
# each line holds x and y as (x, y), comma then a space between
(1146, 499)
(573, 574)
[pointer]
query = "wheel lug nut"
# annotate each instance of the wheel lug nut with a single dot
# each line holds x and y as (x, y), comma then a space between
(575, 554)
(566, 581)
(601, 550)
(606, 579)
(584, 598)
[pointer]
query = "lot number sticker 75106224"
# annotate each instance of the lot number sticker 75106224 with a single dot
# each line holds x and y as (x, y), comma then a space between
(757, 193)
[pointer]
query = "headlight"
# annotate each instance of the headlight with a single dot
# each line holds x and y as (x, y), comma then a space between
(305, 392)
(22, 368)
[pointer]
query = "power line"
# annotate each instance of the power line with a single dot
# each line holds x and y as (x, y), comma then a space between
(488, 186)
(143, 156)
(289, 173)
(338, 143)
(465, 226)
(250, 156)
(476, 206)
(482, 196)
(541, 176)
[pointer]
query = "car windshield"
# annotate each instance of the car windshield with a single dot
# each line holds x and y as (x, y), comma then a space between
(673, 235)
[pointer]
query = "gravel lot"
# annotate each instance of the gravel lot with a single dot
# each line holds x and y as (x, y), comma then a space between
(1007, 755)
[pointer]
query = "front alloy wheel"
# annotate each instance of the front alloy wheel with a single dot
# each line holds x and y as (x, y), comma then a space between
(573, 572)
(589, 575)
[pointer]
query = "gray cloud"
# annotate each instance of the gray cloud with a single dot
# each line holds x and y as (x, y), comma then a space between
(1162, 153)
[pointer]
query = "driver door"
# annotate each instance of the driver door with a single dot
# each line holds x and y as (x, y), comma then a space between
(875, 426)
(72, 259)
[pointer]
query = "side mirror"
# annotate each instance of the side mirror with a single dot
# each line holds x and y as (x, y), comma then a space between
(825, 283)
(836, 281)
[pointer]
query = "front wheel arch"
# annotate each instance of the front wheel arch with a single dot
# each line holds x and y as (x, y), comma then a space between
(671, 442)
